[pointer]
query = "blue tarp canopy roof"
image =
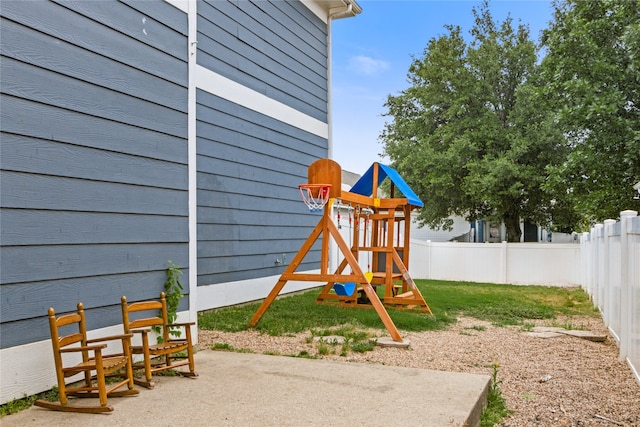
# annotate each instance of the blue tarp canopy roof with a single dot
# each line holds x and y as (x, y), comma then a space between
(364, 186)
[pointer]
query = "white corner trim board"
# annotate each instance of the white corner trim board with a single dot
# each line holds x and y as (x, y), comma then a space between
(226, 88)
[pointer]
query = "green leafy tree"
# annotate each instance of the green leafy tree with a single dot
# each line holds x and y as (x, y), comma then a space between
(467, 135)
(592, 67)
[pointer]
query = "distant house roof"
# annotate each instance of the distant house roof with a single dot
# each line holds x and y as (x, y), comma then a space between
(364, 186)
(349, 178)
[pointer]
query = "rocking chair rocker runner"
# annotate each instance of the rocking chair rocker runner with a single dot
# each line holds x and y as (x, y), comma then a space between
(94, 359)
(168, 354)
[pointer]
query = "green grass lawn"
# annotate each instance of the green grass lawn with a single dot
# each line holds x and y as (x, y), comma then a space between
(500, 304)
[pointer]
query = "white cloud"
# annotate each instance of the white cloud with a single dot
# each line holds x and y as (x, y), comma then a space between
(367, 65)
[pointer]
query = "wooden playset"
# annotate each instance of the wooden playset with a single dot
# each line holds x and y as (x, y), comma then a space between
(378, 226)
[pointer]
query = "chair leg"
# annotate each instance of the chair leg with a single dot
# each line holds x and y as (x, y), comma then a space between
(147, 371)
(102, 385)
(129, 369)
(144, 381)
(192, 363)
(147, 364)
(62, 392)
(87, 379)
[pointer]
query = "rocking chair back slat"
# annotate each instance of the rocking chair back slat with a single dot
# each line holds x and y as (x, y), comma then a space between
(70, 339)
(145, 305)
(145, 323)
(67, 319)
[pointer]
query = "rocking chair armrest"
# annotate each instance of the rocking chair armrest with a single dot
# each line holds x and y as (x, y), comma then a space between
(111, 338)
(83, 348)
(184, 325)
(140, 331)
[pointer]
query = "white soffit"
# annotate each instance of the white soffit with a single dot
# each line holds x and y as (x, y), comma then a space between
(323, 9)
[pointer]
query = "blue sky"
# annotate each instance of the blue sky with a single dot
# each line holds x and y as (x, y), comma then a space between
(372, 53)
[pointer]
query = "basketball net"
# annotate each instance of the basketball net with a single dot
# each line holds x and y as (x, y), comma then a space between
(315, 196)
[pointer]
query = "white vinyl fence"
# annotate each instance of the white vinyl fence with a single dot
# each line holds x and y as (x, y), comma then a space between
(549, 264)
(611, 276)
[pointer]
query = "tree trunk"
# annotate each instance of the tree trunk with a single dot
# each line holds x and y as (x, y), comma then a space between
(512, 223)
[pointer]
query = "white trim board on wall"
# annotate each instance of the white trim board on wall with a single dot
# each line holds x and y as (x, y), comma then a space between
(226, 88)
(239, 292)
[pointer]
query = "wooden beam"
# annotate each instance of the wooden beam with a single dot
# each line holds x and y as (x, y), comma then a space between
(366, 201)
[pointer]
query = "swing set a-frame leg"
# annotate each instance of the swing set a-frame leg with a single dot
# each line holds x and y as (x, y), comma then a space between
(267, 302)
(291, 268)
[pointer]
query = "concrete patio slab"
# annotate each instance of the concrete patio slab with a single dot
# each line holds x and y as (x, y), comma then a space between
(239, 389)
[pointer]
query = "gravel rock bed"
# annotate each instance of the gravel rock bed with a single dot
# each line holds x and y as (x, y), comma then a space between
(562, 381)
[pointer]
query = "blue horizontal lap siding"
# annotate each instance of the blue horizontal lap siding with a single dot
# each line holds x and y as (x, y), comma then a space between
(91, 33)
(99, 133)
(32, 191)
(249, 207)
(33, 227)
(278, 49)
(93, 172)
(50, 88)
(79, 63)
(89, 163)
(41, 297)
(248, 133)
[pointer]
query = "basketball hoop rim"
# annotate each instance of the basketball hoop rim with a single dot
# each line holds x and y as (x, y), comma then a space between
(317, 201)
(314, 185)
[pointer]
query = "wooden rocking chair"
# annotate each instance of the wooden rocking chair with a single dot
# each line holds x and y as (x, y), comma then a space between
(94, 359)
(168, 354)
